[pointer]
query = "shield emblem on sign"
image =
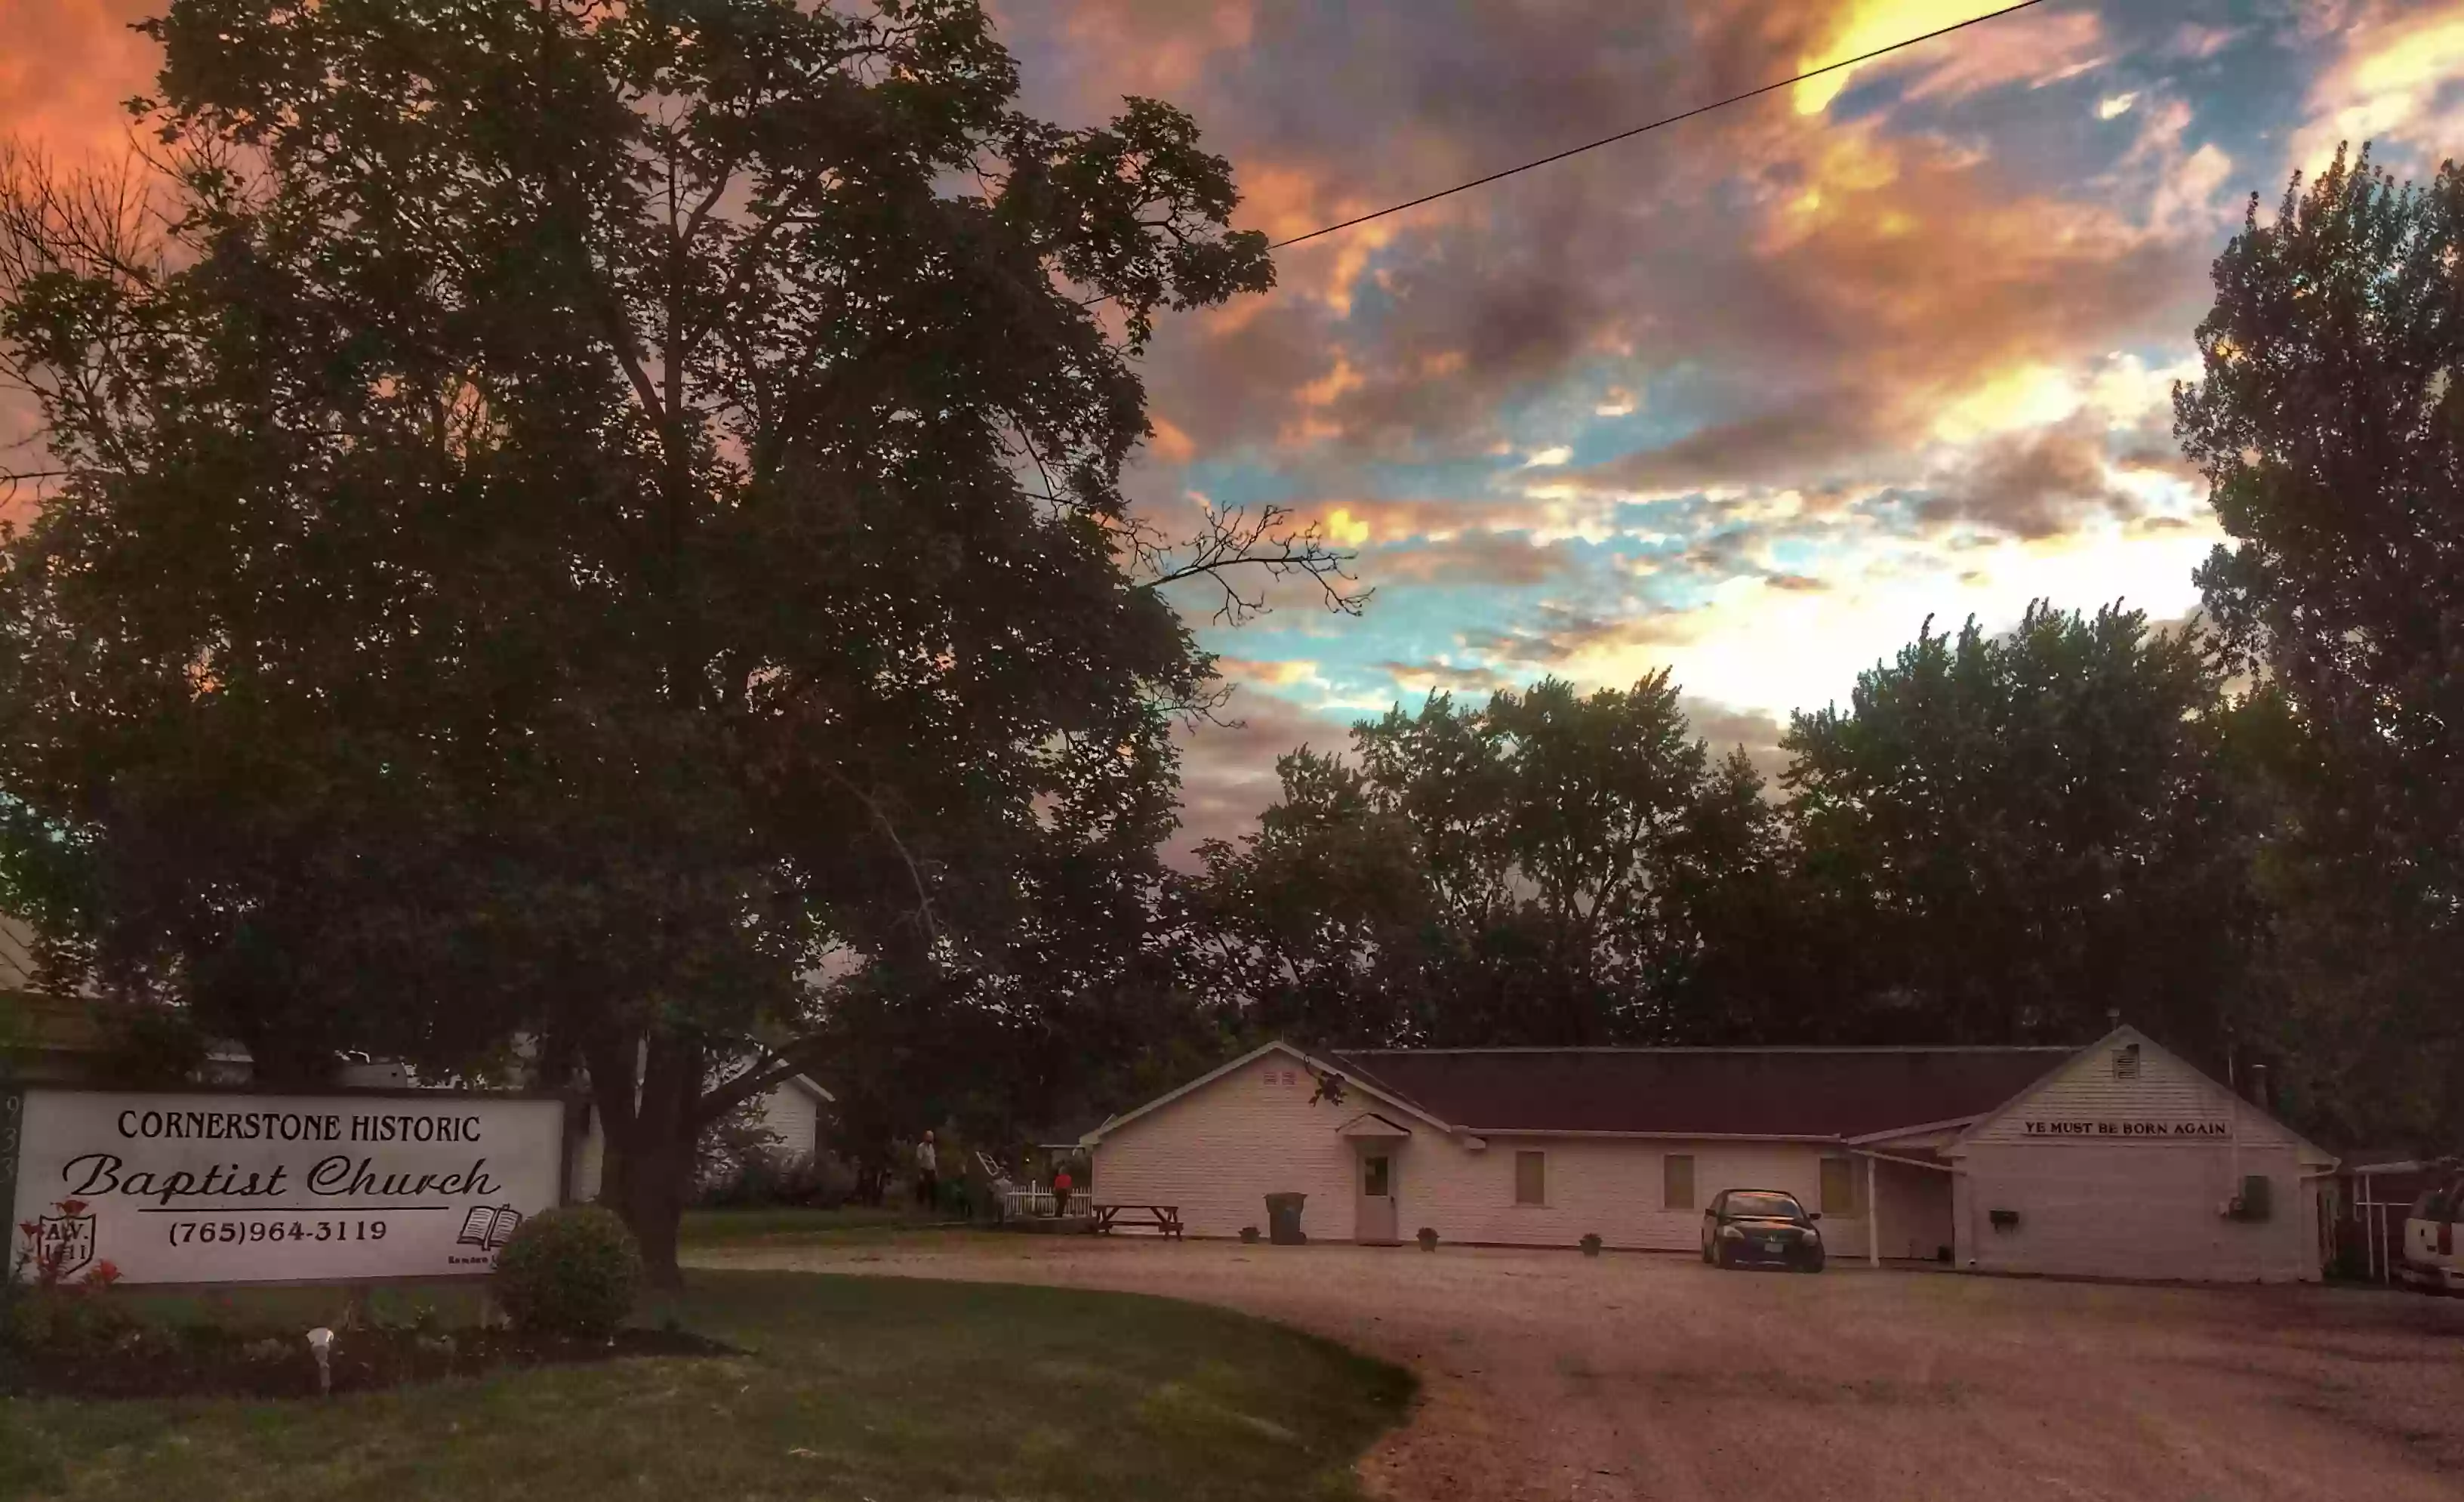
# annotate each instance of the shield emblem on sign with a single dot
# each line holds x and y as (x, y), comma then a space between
(67, 1244)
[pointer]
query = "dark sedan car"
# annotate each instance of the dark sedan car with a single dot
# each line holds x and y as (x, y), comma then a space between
(1761, 1227)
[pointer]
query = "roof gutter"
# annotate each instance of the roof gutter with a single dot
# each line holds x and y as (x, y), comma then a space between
(1659, 1136)
(1911, 1162)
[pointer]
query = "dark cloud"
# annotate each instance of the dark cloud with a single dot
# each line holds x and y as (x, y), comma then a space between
(1724, 728)
(1480, 558)
(2159, 459)
(1654, 254)
(1554, 635)
(2032, 485)
(1767, 447)
(1227, 771)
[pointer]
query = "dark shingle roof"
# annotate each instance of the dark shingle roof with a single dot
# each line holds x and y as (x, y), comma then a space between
(1706, 1092)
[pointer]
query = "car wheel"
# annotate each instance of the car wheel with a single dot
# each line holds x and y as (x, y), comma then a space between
(1720, 1258)
(1813, 1264)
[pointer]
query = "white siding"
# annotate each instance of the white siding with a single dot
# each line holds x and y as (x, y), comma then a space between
(2165, 1091)
(1611, 1187)
(2088, 1204)
(1219, 1151)
(2138, 1210)
(2091, 1203)
(791, 1111)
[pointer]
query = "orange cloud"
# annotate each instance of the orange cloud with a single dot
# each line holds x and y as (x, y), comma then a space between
(1269, 675)
(2030, 48)
(1158, 47)
(1170, 444)
(65, 69)
(2394, 79)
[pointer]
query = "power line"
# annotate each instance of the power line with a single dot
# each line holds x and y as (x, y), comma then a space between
(1670, 119)
(1628, 135)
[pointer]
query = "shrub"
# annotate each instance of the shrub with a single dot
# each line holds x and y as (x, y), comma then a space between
(1248, 1233)
(1592, 1244)
(763, 1179)
(1428, 1239)
(571, 1271)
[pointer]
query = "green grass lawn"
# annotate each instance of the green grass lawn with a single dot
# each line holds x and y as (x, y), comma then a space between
(849, 1223)
(850, 1388)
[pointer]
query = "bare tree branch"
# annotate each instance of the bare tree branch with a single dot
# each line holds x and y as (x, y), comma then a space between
(1237, 538)
(890, 832)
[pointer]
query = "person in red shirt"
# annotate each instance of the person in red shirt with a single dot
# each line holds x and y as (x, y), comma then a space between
(1060, 1186)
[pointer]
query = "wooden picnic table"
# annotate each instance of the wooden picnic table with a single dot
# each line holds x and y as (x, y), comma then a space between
(1164, 1218)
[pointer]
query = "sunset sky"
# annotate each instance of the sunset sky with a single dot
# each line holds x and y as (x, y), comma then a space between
(1749, 397)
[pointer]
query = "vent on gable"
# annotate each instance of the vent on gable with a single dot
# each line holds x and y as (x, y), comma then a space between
(2125, 1062)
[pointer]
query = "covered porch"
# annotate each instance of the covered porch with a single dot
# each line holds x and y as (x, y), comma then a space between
(1906, 1190)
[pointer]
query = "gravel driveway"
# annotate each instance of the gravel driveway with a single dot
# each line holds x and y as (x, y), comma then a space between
(1553, 1375)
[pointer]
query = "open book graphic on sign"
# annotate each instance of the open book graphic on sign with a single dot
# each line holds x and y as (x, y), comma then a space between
(489, 1229)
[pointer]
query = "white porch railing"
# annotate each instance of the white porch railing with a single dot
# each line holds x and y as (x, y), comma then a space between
(1023, 1203)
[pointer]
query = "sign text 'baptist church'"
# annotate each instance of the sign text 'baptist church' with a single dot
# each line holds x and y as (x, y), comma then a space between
(204, 1188)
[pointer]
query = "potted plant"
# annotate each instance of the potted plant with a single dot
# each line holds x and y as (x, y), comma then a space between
(1250, 1234)
(1592, 1244)
(1428, 1239)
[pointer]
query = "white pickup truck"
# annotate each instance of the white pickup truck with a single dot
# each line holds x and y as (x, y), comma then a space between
(2433, 1236)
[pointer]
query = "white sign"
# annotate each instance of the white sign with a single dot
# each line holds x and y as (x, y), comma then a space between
(247, 1188)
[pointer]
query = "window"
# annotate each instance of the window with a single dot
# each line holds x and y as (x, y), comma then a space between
(1839, 1186)
(2125, 1062)
(1377, 1177)
(1676, 1181)
(1531, 1177)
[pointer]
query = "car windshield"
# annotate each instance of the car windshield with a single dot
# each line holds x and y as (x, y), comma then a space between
(1764, 1207)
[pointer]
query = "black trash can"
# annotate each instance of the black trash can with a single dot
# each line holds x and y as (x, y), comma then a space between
(1283, 1220)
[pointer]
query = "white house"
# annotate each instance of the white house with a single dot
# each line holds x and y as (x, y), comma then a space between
(792, 1111)
(2118, 1159)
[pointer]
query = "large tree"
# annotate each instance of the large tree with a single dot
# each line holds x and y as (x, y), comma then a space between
(2330, 421)
(2007, 836)
(579, 513)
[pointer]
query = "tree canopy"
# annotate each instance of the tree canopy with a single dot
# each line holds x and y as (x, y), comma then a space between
(1998, 840)
(577, 516)
(2027, 831)
(2328, 421)
(1537, 870)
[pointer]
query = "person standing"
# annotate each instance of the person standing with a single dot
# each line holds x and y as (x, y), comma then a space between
(1061, 1186)
(928, 1174)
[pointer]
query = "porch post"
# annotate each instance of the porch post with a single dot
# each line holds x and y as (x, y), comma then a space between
(1872, 1217)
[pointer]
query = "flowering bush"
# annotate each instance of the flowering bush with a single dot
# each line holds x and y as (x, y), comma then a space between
(42, 1304)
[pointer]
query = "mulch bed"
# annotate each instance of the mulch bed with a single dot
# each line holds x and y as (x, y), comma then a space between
(205, 1362)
